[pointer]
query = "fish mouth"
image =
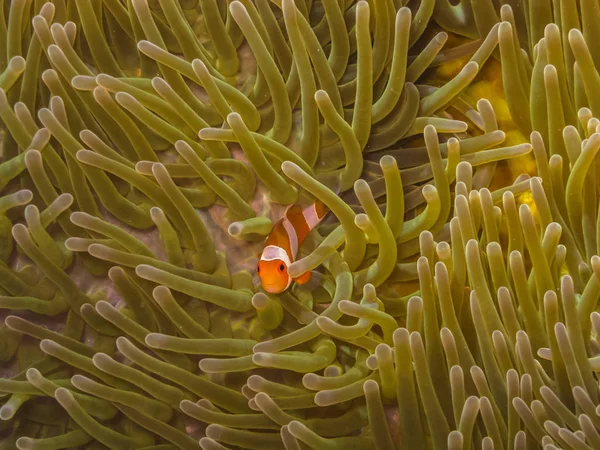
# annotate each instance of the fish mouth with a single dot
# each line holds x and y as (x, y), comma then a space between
(272, 289)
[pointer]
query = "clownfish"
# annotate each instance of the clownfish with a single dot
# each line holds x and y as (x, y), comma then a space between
(281, 246)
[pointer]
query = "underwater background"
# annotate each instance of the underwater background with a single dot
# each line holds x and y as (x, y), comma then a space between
(150, 147)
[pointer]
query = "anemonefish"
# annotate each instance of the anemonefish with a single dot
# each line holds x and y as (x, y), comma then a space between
(281, 246)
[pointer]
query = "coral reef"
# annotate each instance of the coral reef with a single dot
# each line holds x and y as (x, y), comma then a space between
(148, 148)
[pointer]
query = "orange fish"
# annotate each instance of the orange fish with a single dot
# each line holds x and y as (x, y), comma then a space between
(281, 247)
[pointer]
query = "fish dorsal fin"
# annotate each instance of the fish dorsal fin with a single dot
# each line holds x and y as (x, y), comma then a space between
(331, 180)
(305, 199)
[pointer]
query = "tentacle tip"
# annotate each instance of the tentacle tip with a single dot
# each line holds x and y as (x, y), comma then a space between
(64, 397)
(214, 431)
(25, 443)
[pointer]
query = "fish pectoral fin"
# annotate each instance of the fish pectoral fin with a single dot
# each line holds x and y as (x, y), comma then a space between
(304, 278)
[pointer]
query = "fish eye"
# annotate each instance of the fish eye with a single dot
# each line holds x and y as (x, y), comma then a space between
(281, 267)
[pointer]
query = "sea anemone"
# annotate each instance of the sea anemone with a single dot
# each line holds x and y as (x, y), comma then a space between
(149, 147)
